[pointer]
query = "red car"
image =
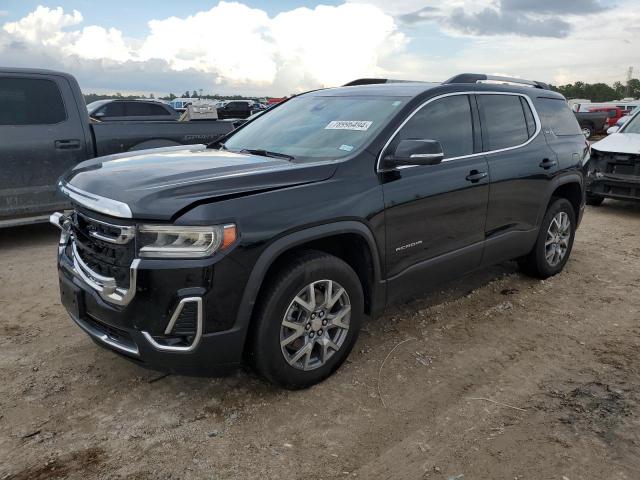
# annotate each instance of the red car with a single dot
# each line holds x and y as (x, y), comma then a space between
(615, 114)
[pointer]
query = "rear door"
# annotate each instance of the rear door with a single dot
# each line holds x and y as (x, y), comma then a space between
(435, 214)
(521, 164)
(41, 138)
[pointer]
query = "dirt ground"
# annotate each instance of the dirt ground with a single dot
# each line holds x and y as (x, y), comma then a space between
(497, 376)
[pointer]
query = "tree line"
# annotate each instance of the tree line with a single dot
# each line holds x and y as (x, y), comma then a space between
(596, 92)
(600, 92)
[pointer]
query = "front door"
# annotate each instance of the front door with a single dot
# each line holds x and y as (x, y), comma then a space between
(41, 139)
(435, 214)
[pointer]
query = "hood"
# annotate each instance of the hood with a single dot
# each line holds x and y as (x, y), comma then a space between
(158, 183)
(619, 143)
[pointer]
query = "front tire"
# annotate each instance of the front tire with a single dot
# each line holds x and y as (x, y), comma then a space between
(554, 243)
(307, 321)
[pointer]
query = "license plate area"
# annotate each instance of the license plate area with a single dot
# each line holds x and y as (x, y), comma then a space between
(72, 298)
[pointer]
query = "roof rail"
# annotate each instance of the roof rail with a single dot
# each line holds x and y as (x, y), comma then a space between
(374, 81)
(481, 77)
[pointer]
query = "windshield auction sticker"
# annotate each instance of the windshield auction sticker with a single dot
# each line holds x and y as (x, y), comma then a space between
(348, 125)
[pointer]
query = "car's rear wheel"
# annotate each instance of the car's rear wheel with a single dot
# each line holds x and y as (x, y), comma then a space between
(554, 243)
(594, 200)
(307, 321)
(588, 131)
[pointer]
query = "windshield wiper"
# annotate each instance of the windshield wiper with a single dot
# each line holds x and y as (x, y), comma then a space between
(267, 153)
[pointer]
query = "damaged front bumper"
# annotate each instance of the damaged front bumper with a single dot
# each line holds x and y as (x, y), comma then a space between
(614, 175)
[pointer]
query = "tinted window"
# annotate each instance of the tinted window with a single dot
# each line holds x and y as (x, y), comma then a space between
(447, 120)
(28, 101)
(141, 109)
(558, 117)
(503, 121)
(113, 109)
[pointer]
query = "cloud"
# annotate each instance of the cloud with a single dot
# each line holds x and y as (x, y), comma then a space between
(493, 22)
(422, 15)
(230, 44)
(570, 7)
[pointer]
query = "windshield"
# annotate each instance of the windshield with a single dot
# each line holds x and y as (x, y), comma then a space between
(314, 127)
(632, 125)
(93, 106)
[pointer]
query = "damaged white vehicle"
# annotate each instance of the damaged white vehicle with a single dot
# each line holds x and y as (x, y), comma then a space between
(613, 170)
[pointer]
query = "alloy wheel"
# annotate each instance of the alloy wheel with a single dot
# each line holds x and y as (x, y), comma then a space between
(557, 241)
(315, 325)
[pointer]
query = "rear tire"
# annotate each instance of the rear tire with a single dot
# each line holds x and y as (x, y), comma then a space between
(554, 243)
(299, 340)
(594, 200)
(588, 131)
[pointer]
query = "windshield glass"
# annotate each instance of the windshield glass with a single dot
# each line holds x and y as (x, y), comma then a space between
(93, 106)
(314, 127)
(632, 125)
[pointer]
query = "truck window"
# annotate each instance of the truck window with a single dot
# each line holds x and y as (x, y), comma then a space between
(30, 101)
(528, 116)
(558, 117)
(447, 120)
(503, 121)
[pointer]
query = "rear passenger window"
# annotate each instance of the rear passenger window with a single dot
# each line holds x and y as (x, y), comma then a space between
(113, 109)
(30, 101)
(447, 120)
(503, 121)
(141, 109)
(558, 117)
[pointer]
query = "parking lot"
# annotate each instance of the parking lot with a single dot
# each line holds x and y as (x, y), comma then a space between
(495, 376)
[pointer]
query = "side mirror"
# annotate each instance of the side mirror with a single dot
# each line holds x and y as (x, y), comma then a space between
(613, 129)
(98, 115)
(415, 152)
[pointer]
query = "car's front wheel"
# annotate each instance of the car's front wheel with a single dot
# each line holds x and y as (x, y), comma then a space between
(554, 243)
(307, 321)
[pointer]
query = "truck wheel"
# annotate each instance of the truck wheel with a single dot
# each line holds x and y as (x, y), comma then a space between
(555, 241)
(307, 321)
(594, 200)
(588, 131)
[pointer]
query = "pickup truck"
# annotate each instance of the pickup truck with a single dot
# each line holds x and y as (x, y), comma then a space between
(45, 131)
(593, 123)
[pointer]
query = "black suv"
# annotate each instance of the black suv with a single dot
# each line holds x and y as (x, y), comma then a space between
(274, 244)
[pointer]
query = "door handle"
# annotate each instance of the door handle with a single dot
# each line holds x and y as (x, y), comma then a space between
(548, 163)
(68, 144)
(475, 176)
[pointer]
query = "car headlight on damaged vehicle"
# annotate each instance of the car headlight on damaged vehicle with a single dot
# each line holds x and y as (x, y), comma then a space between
(173, 241)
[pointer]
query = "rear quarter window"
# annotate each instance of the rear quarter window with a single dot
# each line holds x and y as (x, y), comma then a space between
(558, 117)
(30, 101)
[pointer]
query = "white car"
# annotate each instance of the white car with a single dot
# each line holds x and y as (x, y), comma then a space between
(613, 170)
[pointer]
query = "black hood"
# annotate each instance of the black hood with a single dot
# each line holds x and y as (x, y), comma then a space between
(158, 183)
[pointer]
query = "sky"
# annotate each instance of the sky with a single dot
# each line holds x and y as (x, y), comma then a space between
(260, 47)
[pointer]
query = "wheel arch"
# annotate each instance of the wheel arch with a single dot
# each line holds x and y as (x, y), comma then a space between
(569, 186)
(341, 239)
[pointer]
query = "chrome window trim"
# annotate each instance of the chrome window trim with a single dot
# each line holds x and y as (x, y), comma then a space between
(427, 102)
(95, 202)
(172, 321)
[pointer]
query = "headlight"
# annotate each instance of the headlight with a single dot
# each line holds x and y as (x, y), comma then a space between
(171, 241)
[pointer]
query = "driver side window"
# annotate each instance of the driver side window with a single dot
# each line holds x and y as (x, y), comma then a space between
(447, 120)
